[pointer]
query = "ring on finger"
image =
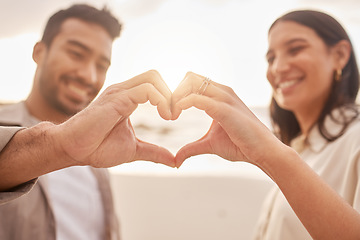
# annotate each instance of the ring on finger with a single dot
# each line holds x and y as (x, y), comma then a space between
(203, 86)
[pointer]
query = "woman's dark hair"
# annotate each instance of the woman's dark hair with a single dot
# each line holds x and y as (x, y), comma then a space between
(343, 93)
(83, 12)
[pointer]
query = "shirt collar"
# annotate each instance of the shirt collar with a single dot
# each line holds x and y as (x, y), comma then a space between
(17, 115)
(314, 140)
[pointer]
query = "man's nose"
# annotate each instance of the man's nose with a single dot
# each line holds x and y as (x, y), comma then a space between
(88, 73)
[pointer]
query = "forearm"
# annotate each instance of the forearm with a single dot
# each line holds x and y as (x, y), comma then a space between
(321, 210)
(29, 154)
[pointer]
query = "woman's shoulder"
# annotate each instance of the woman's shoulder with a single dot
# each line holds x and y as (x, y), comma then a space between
(353, 130)
(345, 123)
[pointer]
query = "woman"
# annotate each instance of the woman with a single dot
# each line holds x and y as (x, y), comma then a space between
(315, 156)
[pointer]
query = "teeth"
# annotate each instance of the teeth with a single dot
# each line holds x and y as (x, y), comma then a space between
(77, 90)
(287, 84)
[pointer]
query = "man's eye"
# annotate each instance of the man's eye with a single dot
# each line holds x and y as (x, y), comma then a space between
(76, 54)
(270, 60)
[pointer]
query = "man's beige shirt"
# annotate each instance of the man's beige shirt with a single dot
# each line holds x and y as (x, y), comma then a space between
(31, 216)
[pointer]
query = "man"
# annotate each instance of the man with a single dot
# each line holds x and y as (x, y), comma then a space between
(75, 202)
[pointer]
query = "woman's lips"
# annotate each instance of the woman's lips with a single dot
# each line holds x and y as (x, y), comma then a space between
(285, 85)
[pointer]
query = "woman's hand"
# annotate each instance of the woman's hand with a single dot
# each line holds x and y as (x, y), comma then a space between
(235, 133)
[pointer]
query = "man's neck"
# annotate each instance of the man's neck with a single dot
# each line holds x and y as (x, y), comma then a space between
(44, 112)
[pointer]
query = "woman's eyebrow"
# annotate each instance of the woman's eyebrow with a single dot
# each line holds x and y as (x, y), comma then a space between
(291, 41)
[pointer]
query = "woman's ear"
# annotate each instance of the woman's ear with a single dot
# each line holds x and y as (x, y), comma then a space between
(39, 52)
(342, 51)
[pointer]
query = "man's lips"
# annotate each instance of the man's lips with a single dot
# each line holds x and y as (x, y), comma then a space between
(76, 90)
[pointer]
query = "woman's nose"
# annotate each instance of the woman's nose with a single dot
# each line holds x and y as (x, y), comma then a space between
(279, 65)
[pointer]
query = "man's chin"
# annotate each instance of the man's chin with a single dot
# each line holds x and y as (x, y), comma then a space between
(72, 110)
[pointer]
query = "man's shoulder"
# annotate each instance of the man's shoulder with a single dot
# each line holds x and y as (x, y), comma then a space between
(11, 114)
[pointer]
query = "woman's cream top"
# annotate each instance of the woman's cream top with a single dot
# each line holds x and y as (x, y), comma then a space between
(337, 162)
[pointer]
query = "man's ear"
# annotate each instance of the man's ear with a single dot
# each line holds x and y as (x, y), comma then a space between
(342, 51)
(39, 52)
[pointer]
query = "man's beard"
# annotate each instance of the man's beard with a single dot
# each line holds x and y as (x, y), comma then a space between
(51, 94)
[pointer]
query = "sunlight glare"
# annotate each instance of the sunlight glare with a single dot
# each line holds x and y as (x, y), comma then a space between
(17, 66)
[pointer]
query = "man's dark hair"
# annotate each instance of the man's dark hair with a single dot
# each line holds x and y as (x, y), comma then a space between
(83, 12)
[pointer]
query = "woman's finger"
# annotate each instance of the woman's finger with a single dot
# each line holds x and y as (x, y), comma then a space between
(207, 104)
(198, 147)
(197, 84)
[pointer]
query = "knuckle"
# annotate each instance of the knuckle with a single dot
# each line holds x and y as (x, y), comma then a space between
(153, 73)
(192, 75)
(147, 85)
(230, 90)
(189, 73)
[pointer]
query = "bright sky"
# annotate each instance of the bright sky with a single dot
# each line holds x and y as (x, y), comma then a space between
(222, 39)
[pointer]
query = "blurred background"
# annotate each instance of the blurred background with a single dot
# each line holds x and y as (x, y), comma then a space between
(226, 40)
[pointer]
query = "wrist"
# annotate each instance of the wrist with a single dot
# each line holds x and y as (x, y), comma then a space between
(59, 140)
(277, 162)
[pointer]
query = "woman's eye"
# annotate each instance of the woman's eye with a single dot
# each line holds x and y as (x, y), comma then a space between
(295, 50)
(102, 67)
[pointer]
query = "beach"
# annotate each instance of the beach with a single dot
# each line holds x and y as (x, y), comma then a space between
(190, 126)
(206, 198)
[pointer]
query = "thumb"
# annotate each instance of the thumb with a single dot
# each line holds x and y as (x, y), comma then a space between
(198, 147)
(154, 153)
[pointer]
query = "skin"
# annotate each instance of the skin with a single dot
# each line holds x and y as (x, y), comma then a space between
(237, 135)
(301, 68)
(89, 138)
(70, 72)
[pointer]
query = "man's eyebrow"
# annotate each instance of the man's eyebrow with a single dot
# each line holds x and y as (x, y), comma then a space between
(288, 43)
(87, 49)
(79, 44)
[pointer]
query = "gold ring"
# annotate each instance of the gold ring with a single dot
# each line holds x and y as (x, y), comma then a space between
(203, 86)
